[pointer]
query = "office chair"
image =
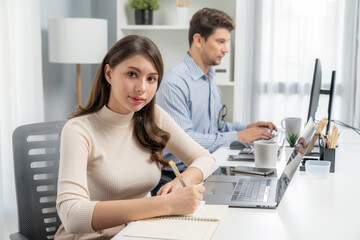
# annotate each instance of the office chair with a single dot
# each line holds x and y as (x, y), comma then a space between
(36, 163)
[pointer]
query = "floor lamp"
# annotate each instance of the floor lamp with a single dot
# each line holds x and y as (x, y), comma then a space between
(77, 41)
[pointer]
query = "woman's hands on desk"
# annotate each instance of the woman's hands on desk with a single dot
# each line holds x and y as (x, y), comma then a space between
(257, 130)
(191, 176)
(116, 212)
(183, 200)
(169, 187)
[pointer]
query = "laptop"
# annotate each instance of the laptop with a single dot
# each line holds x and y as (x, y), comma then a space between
(253, 191)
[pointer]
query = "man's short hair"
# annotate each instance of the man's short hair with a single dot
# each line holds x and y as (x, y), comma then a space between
(207, 20)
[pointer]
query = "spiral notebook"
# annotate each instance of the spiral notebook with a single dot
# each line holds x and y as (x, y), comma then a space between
(202, 226)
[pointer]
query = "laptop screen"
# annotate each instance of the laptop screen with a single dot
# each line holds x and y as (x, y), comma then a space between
(294, 160)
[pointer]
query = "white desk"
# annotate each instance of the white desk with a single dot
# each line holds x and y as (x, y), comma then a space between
(310, 209)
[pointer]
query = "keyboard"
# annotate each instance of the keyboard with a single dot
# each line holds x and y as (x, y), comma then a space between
(254, 190)
(279, 137)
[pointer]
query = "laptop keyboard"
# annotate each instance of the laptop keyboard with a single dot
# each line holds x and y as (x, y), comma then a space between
(279, 137)
(253, 190)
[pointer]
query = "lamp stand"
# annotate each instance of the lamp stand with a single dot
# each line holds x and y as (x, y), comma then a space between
(78, 84)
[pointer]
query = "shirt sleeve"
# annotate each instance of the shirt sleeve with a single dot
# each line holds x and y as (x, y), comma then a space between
(73, 200)
(236, 126)
(184, 147)
(173, 97)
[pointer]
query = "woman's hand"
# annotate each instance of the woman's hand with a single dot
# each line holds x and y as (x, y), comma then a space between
(169, 187)
(191, 176)
(184, 200)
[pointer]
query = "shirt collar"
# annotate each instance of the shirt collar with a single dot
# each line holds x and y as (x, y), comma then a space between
(195, 71)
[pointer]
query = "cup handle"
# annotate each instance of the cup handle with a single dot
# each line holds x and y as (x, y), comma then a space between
(282, 123)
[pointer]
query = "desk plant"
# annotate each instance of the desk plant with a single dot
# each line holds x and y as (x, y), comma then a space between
(291, 138)
(144, 10)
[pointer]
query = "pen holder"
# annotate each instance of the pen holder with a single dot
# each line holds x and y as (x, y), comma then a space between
(329, 155)
(182, 16)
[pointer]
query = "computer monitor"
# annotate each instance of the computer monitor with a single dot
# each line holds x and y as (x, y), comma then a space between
(315, 90)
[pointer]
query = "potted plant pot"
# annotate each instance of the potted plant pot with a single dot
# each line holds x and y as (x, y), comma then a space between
(291, 139)
(288, 151)
(144, 10)
(143, 17)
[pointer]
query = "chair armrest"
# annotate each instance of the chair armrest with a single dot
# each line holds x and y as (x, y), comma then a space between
(17, 236)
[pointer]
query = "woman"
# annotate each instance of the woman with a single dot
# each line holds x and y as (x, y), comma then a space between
(111, 150)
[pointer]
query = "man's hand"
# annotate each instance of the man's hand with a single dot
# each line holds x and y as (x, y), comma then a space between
(268, 125)
(251, 134)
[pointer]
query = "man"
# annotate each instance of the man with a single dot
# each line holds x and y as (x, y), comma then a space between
(189, 92)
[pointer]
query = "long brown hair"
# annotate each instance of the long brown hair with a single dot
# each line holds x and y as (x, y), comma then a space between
(146, 131)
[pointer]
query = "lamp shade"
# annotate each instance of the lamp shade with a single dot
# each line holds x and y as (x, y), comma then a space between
(77, 40)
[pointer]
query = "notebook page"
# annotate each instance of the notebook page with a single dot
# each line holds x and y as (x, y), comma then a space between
(211, 211)
(172, 229)
(201, 227)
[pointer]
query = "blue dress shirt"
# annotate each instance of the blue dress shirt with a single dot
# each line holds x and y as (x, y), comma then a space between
(194, 103)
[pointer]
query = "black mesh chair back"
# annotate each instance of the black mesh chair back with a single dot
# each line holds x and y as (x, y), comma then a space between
(36, 163)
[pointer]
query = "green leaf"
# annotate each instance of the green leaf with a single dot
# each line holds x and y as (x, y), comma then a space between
(292, 138)
(144, 4)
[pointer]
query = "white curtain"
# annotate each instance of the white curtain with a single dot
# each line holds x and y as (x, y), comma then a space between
(350, 64)
(277, 43)
(21, 91)
(357, 88)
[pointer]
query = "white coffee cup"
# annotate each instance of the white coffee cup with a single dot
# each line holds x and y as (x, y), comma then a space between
(292, 125)
(265, 154)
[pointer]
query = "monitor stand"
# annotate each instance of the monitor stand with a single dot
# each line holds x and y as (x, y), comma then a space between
(329, 92)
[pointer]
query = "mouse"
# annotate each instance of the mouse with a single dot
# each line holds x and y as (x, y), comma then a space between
(238, 145)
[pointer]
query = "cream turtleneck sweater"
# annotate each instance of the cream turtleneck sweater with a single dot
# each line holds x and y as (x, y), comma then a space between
(101, 159)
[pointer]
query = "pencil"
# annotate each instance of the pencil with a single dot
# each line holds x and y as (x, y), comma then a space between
(322, 137)
(177, 173)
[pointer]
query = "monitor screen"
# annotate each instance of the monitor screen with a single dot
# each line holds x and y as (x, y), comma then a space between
(315, 90)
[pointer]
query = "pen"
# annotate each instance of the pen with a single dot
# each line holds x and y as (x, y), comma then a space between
(323, 138)
(177, 173)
